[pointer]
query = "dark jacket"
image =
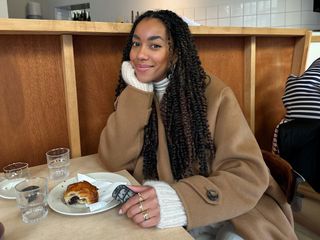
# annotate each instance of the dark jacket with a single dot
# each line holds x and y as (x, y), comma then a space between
(299, 144)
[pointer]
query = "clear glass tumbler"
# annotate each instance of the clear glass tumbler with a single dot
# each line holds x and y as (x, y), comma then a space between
(32, 195)
(16, 170)
(58, 161)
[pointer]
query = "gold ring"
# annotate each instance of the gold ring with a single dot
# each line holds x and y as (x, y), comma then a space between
(141, 207)
(146, 215)
(140, 197)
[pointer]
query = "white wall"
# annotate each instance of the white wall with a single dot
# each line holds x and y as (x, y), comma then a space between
(113, 10)
(3, 9)
(314, 51)
(17, 8)
(242, 13)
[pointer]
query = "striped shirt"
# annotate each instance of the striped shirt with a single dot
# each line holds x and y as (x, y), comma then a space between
(302, 94)
(301, 98)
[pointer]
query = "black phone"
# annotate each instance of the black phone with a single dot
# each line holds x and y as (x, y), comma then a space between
(122, 193)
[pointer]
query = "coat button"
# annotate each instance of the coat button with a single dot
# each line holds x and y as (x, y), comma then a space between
(212, 195)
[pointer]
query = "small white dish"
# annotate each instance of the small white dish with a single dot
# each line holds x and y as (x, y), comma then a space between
(7, 189)
(56, 202)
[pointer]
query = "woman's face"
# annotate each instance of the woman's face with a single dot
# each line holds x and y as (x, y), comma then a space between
(149, 54)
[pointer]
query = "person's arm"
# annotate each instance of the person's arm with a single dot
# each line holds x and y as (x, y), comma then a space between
(239, 175)
(121, 139)
(172, 213)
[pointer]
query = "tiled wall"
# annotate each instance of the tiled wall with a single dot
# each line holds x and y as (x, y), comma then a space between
(242, 13)
(256, 13)
(3, 9)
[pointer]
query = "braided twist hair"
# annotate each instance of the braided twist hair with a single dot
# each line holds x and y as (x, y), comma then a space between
(183, 107)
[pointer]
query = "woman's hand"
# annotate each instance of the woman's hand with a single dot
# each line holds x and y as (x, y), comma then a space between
(130, 78)
(143, 208)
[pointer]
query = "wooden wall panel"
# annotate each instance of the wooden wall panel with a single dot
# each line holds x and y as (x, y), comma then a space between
(70, 87)
(224, 57)
(273, 66)
(97, 64)
(250, 80)
(32, 106)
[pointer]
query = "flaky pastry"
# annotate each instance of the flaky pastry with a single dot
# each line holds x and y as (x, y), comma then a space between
(81, 193)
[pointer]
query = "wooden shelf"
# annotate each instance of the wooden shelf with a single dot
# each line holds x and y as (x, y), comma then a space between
(32, 26)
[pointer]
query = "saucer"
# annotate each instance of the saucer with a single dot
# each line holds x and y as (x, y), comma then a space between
(7, 189)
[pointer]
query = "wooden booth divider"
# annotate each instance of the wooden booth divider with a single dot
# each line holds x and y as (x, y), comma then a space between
(58, 79)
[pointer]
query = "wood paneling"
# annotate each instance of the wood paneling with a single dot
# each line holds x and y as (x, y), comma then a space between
(32, 106)
(250, 80)
(97, 63)
(70, 88)
(46, 85)
(273, 66)
(60, 27)
(315, 38)
(226, 63)
(300, 54)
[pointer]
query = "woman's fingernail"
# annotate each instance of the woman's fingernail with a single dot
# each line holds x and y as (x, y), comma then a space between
(120, 212)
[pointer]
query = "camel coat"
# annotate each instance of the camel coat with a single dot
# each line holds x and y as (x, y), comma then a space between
(239, 187)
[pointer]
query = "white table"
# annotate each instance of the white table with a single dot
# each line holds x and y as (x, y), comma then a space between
(104, 225)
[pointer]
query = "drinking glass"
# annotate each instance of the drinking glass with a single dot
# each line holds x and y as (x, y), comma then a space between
(16, 170)
(32, 194)
(58, 161)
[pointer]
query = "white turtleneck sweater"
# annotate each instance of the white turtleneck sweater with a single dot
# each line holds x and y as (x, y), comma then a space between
(160, 87)
(172, 213)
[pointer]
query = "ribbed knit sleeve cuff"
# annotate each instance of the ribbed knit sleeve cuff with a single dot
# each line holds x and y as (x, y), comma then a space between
(130, 78)
(172, 213)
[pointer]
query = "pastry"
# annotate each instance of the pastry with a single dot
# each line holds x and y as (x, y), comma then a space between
(81, 193)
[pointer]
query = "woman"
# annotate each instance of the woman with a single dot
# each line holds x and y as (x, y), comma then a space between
(183, 135)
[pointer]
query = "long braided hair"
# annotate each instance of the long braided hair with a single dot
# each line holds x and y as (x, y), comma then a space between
(183, 107)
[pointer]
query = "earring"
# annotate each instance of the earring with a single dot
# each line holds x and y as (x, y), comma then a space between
(171, 71)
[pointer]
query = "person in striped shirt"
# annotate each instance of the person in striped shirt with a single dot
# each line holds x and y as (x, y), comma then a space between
(297, 136)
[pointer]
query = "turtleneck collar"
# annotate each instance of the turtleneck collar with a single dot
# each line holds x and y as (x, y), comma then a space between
(160, 87)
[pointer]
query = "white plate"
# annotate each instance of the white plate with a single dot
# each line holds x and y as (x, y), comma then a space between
(56, 202)
(7, 189)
